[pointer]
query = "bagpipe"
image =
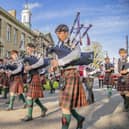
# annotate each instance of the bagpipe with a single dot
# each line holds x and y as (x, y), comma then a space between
(77, 33)
(10, 66)
(85, 59)
(109, 67)
(30, 60)
(124, 77)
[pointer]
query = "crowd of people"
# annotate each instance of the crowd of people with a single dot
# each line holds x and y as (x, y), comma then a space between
(16, 73)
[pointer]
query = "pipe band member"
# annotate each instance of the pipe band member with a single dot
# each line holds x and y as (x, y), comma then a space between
(123, 83)
(15, 70)
(72, 94)
(35, 90)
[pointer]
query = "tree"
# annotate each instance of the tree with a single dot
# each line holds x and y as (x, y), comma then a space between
(99, 54)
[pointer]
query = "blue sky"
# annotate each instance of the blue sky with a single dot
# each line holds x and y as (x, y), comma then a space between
(110, 18)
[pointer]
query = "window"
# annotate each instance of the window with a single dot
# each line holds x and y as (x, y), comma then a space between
(0, 27)
(8, 53)
(8, 32)
(1, 50)
(24, 18)
(22, 43)
(15, 36)
(28, 40)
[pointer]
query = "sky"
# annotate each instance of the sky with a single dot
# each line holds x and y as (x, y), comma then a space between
(110, 18)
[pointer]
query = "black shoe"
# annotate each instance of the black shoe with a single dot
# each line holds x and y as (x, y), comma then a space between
(25, 105)
(27, 118)
(125, 110)
(9, 109)
(43, 113)
(80, 123)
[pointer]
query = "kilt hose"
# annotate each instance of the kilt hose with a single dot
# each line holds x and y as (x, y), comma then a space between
(5, 80)
(16, 85)
(73, 95)
(107, 79)
(35, 89)
(123, 86)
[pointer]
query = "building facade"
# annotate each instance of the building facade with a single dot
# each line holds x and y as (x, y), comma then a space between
(15, 35)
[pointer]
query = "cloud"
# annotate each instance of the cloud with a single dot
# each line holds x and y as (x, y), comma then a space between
(125, 2)
(53, 14)
(34, 5)
(86, 11)
(110, 24)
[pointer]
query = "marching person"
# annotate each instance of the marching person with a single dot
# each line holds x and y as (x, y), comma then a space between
(109, 69)
(35, 90)
(5, 80)
(101, 75)
(123, 80)
(16, 84)
(72, 94)
(1, 75)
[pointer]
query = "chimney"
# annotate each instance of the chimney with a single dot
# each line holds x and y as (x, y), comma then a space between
(12, 12)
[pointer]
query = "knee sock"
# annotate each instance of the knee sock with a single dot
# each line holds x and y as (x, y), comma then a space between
(0, 90)
(127, 103)
(12, 98)
(43, 108)
(5, 92)
(76, 115)
(66, 118)
(124, 98)
(22, 97)
(30, 107)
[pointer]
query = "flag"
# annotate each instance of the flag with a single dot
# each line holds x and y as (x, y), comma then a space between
(88, 39)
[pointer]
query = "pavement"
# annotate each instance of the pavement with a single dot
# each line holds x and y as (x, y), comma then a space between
(105, 113)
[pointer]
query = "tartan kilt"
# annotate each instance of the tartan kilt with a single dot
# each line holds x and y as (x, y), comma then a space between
(0, 79)
(35, 89)
(114, 78)
(73, 95)
(123, 86)
(108, 79)
(16, 85)
(4, 80)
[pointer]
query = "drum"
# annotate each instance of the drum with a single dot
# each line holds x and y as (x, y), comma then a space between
(101, 77)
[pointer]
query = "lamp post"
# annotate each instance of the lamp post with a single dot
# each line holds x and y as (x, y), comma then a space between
(127, 45)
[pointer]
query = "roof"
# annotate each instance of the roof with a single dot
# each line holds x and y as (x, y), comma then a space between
(17, 22)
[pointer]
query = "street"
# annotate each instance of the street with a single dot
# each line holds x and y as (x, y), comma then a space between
(105, 113)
